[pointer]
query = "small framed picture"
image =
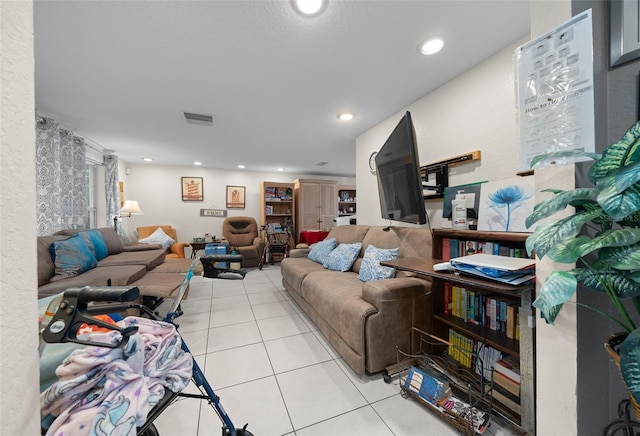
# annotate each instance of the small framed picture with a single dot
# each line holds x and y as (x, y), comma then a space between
(192, 189)
(235, 197)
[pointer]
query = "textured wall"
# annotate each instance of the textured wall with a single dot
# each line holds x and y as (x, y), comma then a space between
(19, 370)
(476, 111)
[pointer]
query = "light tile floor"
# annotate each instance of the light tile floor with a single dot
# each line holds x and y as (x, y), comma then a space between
(275, 371)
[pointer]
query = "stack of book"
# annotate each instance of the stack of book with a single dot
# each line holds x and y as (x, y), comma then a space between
(506, 383)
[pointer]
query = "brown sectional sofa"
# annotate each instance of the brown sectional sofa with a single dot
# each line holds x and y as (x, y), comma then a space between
(364, 321)
(131, 265)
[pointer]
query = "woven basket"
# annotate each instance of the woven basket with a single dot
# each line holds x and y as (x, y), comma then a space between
(612, 345)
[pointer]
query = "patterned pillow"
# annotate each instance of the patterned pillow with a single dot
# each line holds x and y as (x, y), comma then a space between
(158, 237)
(95, 242)
(320, 250)
(71, 257)
(342, 257)
(370, 268)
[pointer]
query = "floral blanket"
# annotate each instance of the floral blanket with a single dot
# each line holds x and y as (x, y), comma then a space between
(110, 391)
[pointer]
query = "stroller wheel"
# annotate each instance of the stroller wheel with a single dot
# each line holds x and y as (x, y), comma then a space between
(243, 431)
(150, 431)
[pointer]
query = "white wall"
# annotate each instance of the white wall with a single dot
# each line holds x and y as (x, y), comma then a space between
(158, 192)
(476, 111)
(19, 367)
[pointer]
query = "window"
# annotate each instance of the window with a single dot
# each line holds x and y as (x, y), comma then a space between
(91, 220)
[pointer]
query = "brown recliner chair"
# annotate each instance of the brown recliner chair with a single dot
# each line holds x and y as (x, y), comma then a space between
(176, 250)
(242, 234)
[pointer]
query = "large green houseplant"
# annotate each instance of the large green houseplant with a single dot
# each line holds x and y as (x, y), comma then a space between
(602, 238)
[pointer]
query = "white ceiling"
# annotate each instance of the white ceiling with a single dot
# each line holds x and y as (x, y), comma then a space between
(122, 72)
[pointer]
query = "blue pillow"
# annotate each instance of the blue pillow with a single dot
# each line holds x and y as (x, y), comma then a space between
(342, 257)
(95, 242)
(71, 257)
(320, 250)
(370, 268)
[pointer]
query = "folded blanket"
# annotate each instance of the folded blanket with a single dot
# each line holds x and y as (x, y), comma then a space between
(110, 391)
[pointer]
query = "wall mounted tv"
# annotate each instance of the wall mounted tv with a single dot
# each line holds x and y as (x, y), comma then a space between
(399, 181)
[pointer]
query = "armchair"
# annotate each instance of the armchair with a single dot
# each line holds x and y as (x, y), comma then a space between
(176, 250)
(242, 233)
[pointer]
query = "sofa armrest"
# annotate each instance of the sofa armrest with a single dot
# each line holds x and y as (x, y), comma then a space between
(299, 252)
(378, 292)
(142, 247)
(178, 248)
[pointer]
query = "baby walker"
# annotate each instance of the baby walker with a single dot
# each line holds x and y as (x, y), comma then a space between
(74, 310)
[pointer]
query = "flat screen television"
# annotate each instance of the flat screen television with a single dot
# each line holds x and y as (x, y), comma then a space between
(399, 180)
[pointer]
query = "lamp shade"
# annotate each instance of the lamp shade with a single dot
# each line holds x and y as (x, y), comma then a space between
(130, 208)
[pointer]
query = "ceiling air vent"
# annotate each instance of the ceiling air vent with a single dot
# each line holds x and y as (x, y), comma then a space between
(202, 119)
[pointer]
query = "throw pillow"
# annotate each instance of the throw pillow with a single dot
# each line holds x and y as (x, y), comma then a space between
(71, 257)
(94, 240)
(370, 268)
(158, 237)
(320, 250)
(342, 257)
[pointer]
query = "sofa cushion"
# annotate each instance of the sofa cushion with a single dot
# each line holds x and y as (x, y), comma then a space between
(94, 240)
(118, 275)
(413, 241)
(370, 269)
(149, 258)
(295, 269)
(46, 267)
(348, 234)
(336, 296)
(158, 237)
(71, 258)
(112, 240)
(320, 250)
(342, 257)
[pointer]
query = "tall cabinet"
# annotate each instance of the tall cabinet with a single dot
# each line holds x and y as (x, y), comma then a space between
(278, 204)
(316, 205)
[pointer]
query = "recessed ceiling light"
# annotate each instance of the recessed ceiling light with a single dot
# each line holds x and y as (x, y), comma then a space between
(431, 46)
(147, 159)
(241, 166)
(197, 163)
(309, 7)
(280, 169)
(346, 116)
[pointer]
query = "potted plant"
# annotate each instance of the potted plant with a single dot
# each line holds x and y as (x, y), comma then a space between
(602, 238)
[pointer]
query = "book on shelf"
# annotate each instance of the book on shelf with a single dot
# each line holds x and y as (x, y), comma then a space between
(508, 384)
(452, 248)
(510, 367)
(507, 399)
(269, 193)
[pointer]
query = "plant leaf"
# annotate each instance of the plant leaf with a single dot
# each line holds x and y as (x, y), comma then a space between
(618, 154)
(624, 283)
(559, 202)
(620, 193)
(556, 290)
(547, 236)
(620, 248)
(568, 251)
(630, 363)
(554, 155)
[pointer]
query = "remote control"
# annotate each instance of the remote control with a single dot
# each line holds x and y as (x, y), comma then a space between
(444, 266)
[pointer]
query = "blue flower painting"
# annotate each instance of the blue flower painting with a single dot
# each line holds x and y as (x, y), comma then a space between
(504, 205)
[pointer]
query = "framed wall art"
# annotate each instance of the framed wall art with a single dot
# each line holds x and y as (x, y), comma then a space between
(192, 189)
(235, 197)
(624, 38)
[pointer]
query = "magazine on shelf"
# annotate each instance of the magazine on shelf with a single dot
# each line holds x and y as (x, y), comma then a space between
(510, 270)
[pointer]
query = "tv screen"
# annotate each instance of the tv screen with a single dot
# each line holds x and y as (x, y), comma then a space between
(399, 181)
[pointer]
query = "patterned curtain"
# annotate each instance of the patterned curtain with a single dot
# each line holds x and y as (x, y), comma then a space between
(60, 178)
(112, 191)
